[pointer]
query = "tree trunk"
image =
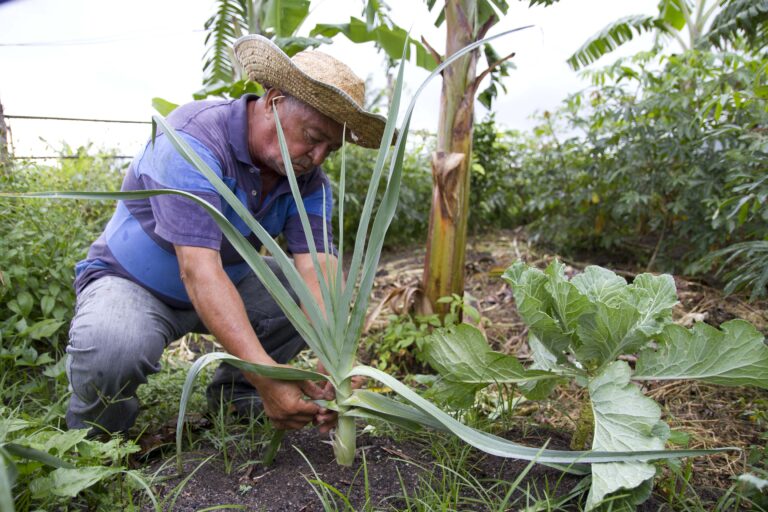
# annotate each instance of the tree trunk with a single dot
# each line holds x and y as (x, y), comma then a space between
(444, 263)
(4, 157)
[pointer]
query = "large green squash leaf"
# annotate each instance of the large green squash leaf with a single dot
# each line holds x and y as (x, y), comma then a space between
(736, 355)
(466, 363)
(624, 420)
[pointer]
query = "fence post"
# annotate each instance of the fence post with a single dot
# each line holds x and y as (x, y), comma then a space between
(4, 158)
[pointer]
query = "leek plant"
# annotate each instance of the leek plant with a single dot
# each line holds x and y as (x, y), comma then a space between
(333, 334)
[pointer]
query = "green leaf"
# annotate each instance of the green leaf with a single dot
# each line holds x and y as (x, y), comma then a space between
(568, 302)
(390, 39)
(46, 305)
(543, 359)
(653, 297)
(611, 37)
(462, 355)
(8, 473)
(285, 16)
(534, 304)
(736, 355)
(608, 333)
(25, 301)
(164, 107)
(601, 285)
(69, 482)
(624, 420)
(503, 448)
(42, 329)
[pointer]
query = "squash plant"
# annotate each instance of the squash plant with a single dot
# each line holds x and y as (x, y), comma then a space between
(334, 334)
(577, 330)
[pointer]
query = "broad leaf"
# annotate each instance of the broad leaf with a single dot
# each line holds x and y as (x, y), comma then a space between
(568, 302)
(462, 355)
(608, 333)
(736, 355)
(495, 445)
(624, 420)
(69, 481)
(534, 304)
(601, 285)
(653, 297)
(285, 16)
(391, 39)
(543, 359)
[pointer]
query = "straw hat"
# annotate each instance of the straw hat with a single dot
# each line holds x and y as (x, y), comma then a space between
(318, 80)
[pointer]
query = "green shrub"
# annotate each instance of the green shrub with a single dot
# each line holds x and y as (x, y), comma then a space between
(412, 215)
(662, 163)
(42, 241)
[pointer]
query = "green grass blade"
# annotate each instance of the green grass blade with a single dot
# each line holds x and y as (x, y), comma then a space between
(239, 242)
(324, 292)
(341, 314)
(7, 480)
(503, 448)
(25, 452)
(295, 280)
(370, 198)
(383, 405)
(273, 372)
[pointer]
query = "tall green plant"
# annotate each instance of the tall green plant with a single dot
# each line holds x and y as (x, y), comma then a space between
(334, 334)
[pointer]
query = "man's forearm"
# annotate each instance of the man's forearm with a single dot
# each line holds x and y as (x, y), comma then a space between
(219, 305)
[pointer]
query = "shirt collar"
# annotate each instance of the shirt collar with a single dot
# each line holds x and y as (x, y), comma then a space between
(238, 128)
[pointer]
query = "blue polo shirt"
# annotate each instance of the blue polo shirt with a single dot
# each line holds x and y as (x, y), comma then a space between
(137, 243)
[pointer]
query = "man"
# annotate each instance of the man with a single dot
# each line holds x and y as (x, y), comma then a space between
(161, 268)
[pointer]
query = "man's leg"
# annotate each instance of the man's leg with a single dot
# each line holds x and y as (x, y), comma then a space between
(116, 339)
(278, 337)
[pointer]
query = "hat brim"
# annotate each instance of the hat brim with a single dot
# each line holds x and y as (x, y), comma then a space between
(265, 63)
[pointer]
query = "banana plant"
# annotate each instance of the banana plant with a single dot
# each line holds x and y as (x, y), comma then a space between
(333, 335)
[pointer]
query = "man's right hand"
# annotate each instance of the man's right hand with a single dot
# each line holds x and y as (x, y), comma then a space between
(284, 402)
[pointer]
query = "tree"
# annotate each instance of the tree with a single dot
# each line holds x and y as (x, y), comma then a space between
(707, 22)
(279, 20)
(466, 21)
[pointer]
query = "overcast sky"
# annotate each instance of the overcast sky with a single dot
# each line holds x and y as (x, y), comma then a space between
(108, 59)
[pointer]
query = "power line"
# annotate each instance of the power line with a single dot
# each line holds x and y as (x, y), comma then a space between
(94, 40)
(77, 119)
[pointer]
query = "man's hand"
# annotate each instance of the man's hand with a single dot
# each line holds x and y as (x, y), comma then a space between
(284, 402)
(326, 419)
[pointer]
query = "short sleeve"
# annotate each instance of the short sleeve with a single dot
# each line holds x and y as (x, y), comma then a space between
(178, 219)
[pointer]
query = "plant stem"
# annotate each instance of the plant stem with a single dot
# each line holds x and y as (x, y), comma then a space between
(585, 426)
(344, 443)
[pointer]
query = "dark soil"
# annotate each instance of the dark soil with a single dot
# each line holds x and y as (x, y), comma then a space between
(713, 415)
(395, 469)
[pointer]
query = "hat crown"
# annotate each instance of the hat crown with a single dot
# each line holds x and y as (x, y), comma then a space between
(326, 69)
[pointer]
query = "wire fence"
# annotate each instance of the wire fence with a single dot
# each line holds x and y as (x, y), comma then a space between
(68, 119)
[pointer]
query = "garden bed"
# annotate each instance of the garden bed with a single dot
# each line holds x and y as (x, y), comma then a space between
(400, 468)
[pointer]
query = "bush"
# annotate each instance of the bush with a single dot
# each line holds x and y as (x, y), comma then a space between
(412, 215)
(42, 241)
(662, 164)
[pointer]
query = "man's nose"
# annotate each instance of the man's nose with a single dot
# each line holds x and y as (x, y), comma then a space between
(319, 153)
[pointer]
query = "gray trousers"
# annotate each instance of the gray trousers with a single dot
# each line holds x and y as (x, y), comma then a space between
(120, 330)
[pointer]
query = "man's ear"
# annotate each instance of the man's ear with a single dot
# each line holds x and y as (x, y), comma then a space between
(272, 97)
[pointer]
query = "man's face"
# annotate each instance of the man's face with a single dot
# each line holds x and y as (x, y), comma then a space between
(309, 135)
